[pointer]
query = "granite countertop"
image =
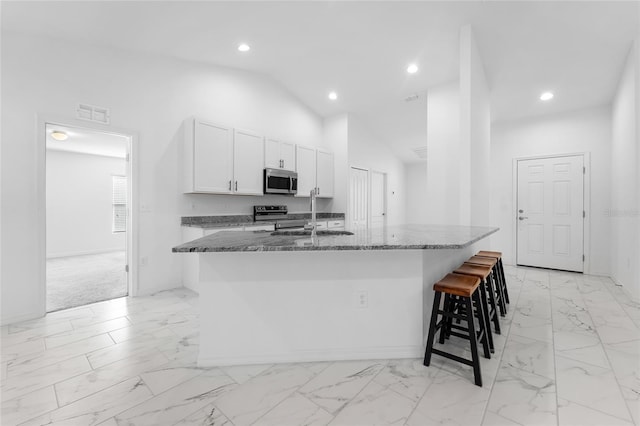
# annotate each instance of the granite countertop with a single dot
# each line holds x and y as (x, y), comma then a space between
(400, 237)
(230, 221)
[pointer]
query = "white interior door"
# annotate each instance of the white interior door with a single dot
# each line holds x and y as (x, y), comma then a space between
(378, 198)
(358, 198)
(550, 213)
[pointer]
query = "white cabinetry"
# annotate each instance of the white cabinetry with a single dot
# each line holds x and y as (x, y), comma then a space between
(315, 170)
(208, 158)
(337, 225)
(324, 173)
(248, 158)
(279, 155)
(220, 160)
(306, 168)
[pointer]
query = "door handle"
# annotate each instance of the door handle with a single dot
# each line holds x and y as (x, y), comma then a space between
(236, 185)
(229, 185)
(522, 217)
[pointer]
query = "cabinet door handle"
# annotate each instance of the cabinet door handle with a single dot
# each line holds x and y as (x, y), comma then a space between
(281, 165)
(236, 185)
(229, 185)
(317, 191)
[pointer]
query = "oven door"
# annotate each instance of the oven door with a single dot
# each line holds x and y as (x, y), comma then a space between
(280, 182)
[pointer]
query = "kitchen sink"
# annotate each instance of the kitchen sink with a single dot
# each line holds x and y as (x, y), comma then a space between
(304, 232)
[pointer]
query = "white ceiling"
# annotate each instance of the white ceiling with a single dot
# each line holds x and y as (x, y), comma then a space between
(86, 141)
(361, 49)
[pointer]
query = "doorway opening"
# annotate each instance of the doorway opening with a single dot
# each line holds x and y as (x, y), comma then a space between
(367, 198)
(550, 212)
(88, 198)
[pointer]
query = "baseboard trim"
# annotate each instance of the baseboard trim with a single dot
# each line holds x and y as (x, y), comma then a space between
(401, 352)
(83, 253)
(22, 317)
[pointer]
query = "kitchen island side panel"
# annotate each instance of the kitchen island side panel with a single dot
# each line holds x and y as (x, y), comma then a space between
(306, 306)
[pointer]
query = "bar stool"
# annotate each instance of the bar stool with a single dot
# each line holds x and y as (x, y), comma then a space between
(500, 269)
(491, 263)
(487, 294)
(462, 291)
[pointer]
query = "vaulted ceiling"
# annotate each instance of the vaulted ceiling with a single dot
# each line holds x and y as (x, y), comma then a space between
(362, 49)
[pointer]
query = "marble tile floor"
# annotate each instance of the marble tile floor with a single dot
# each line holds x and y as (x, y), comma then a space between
(569, 355)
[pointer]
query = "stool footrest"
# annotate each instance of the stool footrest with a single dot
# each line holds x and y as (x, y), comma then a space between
(452, 357)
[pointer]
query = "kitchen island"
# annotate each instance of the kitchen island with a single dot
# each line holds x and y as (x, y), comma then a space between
(287, 298)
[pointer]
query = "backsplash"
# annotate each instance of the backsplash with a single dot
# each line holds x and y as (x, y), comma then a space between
(213, 205)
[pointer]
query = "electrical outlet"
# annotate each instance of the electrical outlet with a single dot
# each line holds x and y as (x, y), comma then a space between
(144, 261)
(361, 299)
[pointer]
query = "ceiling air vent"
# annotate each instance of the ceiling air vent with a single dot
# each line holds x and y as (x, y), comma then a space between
(420, 151)
(412, 98)
(93, 113)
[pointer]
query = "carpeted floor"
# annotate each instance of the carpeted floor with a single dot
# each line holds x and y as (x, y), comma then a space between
(79, 280)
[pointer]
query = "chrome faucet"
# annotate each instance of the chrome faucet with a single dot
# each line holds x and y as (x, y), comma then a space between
(314, 223)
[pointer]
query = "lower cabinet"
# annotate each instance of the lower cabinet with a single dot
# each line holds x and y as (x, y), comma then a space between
(335, 225)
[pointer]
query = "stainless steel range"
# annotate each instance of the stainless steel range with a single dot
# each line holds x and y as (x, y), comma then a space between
(279, 215)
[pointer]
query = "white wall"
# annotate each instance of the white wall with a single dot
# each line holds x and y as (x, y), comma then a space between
(418, 210)
(443, 146)
(624, 207)
(336, 139)
(475, 125)
(79, 203)
(576, 132)
(456, 190)
(365, 150)
(151, 96)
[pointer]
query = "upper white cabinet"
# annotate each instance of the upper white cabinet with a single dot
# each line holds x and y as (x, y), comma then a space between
(208, 158)
(219, 160)
(279, 155)
(315, 170)
(248, 160)
(306, 168)
(324, 173)
(222, 160)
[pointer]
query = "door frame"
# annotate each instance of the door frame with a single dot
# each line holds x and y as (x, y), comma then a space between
(586, 224)
(41, 180)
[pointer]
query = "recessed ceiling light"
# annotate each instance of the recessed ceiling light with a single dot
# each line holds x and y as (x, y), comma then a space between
(546, 96)
(244, 47)
(333, 96)
(59, 135)
(412, 69)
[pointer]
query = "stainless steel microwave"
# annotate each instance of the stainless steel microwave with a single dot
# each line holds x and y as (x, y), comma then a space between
(278, 181)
